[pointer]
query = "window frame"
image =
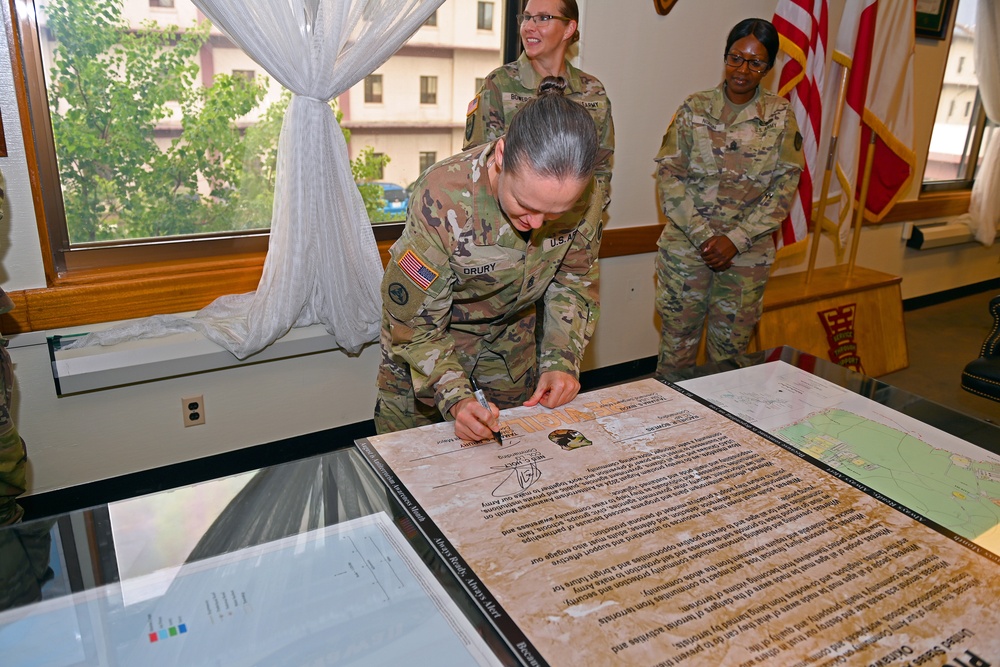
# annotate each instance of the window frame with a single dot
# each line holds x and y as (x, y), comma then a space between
(481, 7)
(426, 95)
(370, 83)
(977, 122)
(105, 281)
(424, 163)
(974, 140)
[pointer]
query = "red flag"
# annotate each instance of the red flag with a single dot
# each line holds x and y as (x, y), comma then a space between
(802, 30)
(875, 42)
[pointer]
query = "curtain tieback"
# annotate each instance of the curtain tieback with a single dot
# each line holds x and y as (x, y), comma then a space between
(311, 99)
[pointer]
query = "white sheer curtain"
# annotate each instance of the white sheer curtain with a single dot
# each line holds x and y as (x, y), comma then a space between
(984, 207)
(323, 264)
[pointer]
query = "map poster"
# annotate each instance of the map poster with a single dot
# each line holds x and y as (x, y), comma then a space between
(638, 526)
(926, 471)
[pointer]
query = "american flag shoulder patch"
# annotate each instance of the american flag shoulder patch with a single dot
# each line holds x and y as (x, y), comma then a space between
(473, 105)
(415, 269)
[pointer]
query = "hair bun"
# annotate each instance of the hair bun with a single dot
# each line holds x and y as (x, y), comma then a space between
(552, 85)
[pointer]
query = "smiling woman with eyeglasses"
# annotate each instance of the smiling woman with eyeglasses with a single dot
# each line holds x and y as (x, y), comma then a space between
(727, 171)
(548, 28)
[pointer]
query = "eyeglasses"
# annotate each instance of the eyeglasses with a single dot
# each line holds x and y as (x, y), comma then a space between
(735, 61)
(539, 19)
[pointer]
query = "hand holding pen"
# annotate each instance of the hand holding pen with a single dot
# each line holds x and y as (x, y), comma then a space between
(481, 397)
(476, 418)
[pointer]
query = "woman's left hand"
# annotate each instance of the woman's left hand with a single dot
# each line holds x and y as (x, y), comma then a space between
(718, 252)
(555, 388)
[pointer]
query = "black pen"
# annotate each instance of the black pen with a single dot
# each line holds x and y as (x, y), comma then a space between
(481, 397)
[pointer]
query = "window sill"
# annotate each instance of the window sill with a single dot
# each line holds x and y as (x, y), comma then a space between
(930, 205)
(93, 368)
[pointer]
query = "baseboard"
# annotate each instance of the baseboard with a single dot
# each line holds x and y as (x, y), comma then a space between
(936, 298)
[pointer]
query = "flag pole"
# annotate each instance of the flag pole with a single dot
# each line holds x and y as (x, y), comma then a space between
(863, 200)
(830, 159)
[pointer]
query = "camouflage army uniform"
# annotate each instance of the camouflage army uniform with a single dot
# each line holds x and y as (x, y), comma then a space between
(716, 178)
(508, 87)
(13, 458)
(459, 298)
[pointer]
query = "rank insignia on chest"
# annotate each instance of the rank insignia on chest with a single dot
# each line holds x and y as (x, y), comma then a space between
(415, 269)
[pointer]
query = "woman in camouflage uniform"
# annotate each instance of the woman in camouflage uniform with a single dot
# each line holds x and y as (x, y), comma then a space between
(485, 242)
(548, 28)
(727, 171)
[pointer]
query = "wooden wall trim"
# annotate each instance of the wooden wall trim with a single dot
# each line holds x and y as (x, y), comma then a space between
(929, 205)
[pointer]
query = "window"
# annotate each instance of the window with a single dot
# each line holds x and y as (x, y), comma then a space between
(428, 89)
(958, 141)
(169, 162)
(480, 80)
(432, 20)
(373, 89)
(156, 246)
(485, 14)
(427, 158)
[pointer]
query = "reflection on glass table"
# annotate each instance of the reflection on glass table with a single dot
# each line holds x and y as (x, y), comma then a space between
(303, 563)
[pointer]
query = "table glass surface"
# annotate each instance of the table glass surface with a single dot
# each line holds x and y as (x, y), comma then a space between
(129, 552)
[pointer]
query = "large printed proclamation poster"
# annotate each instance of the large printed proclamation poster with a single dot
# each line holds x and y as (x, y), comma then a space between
(638, 526)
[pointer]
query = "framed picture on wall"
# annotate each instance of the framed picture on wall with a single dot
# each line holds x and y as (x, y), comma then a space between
(933, 18)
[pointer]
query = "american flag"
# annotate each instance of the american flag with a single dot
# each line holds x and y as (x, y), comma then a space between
(802, 29)
(418, 272)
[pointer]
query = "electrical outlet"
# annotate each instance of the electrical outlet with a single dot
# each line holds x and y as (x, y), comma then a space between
(193, 410)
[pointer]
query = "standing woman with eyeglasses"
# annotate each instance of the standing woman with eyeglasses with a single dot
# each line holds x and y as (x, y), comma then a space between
(548, 28)
(727, 171)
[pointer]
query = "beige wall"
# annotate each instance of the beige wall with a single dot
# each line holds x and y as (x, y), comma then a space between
(648, 63)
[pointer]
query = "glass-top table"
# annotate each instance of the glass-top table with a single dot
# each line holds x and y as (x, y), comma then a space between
(308, 562)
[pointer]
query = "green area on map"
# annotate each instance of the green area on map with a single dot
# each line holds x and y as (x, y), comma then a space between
(959, 493)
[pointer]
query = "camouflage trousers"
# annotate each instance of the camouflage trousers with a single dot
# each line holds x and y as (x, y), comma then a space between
(397, 408)
(24, 562)
(13, 456)
(690, 294)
